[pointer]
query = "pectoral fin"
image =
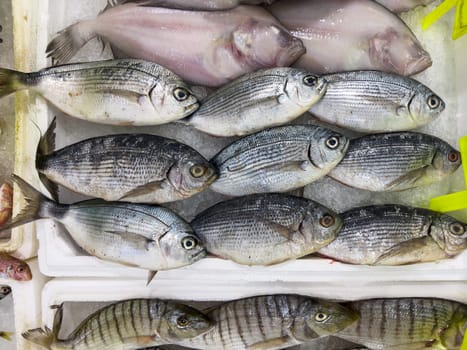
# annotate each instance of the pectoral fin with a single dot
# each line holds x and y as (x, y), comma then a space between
(270, 344)
(132, 238)
(282, 230)
(408, 180)
(142, 190)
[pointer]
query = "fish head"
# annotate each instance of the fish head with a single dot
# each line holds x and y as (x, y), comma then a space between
(425, 105)
(18, 270)
(327, 148)
(317, 318)
(180, 247)
(445, 161)
(398, 52)
(320, 225)
(304, 88)
(174, 98)
(182, 322)
(449, 234)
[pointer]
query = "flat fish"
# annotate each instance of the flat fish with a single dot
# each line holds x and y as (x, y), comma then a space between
(278, 159)
(372, 101)
(266, 229)
(396, 161)
(396, 235)
(258, 100)
(351, 35)
(117, 92)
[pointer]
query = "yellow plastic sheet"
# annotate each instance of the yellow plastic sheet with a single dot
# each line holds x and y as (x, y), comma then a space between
(460, 19)
(464, 344)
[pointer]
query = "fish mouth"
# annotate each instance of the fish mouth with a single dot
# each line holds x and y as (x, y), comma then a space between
(212, 178)
(322, 86)
(198, 256)
(191, 109)
(418, 65)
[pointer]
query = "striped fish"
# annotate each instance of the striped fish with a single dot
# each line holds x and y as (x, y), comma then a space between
(396, 235)
(271, 322)
(126, 325)
(373, 101)
(396, 161)
(278, 159)
(257, 101)
(408, 324)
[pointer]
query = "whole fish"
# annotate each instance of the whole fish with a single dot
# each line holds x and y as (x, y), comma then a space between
(206, 5)
(118, 92)
(138, 168)
(13, 268)
(6, 202)
(396, 161)
(351, 35)
(144, 236)
(128, 324)
(396, 235)
(266, 229)
(4, 291)
(271, 322)
(398, 6)
(278, 159)
(204, 47)
(408, 324)
(258, 100)
(371, 101)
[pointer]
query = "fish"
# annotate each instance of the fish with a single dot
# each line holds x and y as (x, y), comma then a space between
(14, 268)
(266, 229)
(399, 6)
(4, 291)
(115, 92)
(139, 168)
(351, 35)
(6, 202)
(408, 324)
(206, 5)
(372, 101)
(207, 48)
(396, 235)
(271, 322)
(126, 324)
(145, 236)
(396, 161)
(266, 98)
(278, 159)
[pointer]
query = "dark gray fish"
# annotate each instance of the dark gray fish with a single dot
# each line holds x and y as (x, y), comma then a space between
(271, 322)
(266, 229)
(408, 324)
(4, 291)
(278, 159)
(396, 161)
(127, 324)
(396, 235)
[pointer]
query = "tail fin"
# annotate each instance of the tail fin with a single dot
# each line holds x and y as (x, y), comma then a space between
(43, 337)
(6, 335)
(67, 43)
(46, 146)
(10, 81)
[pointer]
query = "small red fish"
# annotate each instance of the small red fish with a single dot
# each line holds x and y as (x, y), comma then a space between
(6, 203)
(13, 268)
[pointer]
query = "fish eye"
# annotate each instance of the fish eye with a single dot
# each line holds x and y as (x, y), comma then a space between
(5, 290)
(182, 321)
(457, 229)
(433, 101)
(321, 317)
(453, 157)
(310, 80)
(181, 94)
(20, 269)
(332, 142)
(327, 220)
(189, 243)
(197, 170)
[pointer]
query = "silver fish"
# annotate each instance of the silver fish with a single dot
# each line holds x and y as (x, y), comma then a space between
(118, 92)
(137, 168)
(127, 324)
(396, 235)
(207, 5)
(258, 100)
(398, 6)
(278, 159)
(271, 322)
(371, 101)
(408, 324)
(144, 236)
(4, 291)
(396, 161)
(266, 229)
(351, 35)
(204, 47)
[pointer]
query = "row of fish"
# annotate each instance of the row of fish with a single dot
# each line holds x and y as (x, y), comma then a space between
(266, 323)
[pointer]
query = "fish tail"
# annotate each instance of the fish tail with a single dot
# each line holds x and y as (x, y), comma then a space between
(6, 335)
(11, 81)
(46, 146)
(67, 43)
(44, 337)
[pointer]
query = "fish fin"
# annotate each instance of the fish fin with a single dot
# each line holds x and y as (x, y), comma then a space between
(11, 81)
(408, 180)
(142, 190)
(408, 252)
(298, 192)
(58, 318)
(46, 146)
(68, 41)
(40, 336)
(131, 237)
(34, 204)
(284, 231)
(151, 276)
(6, 335)
(268, 344)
